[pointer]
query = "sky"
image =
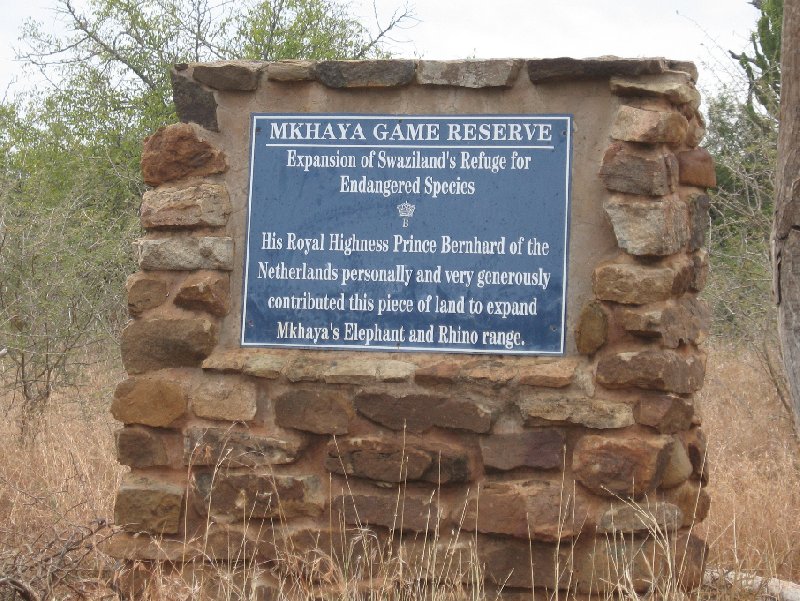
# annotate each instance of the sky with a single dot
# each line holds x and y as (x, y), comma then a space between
(697, 30)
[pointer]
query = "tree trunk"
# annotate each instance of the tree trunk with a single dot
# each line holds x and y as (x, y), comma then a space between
(786, 227)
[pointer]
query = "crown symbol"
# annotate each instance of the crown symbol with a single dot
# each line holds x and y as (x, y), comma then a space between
(406, 210)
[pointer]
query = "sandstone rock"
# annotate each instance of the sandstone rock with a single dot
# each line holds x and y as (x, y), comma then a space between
(228, 75)
(521, 563)
(251, 362)
(697, 168)
(691, 552)
(666, 413)
(420, 412)
(317, 411)
(699, 220)
(149, 344)
(675, 86)
(678, 469)
(148, 504)
(638, 284)
(175, 152)
(647, 126)
(217, 396)
(675, 322)
(366, 73)
(140, 447)
(411, 511)
(696, 446)
(153, 400)
(145, 291)
(648, 227)
(636, 170)
(591, 413)
(134, 547)
(185, 254)
(623, 465)
(699, 270)
(195, 205)
(543, 70)
(540, 449)
(291, 70)
(305, 369)
(494, 372)
(665, 370)
(236, 448)
(601, 564)
(205, 291)
(697, 130)
(624, 517)
(557, 374)
(193, 102)
(687, 67)
(693, 501)
(365, 370)
(443, 372)
(264, 366)
(469, 73)
(592, 329)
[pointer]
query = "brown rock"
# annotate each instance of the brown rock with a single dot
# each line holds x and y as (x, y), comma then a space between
(494, 372)
(520, 563)
(264, 366)
(651, 127)
(365, 370)
(206, 291)
(145, 291)
(601, 564)
(235, 448)
(409, 511)
(696, 446)
(625, 465)
(557, 374)
(678, 469)
(420, 412)
(647, 226)
(469, 73)
(665, 370)
(691, 552)
(228, 75)
(146, 504)
(153, 400)
(251, 362)
(685, 321)
(699, 219)
(317, 411)
(365, 74)
(697, 168)
(185, 254)
(291, 70)
(543, 70)
(305, 369)
(175, 152)
(697, 130)
(699, 270)
(140, 447)
(591, 413)
(666, 413)
(224, 397)
(195, 205)
(193, 102)
(149, 344)
(540, 449)
(687, 67)
(626, 517)
(443, 372)
(636, 170)
(638, 284)
(592, 329)
(133, 547)
(675, 86)
(692, 499)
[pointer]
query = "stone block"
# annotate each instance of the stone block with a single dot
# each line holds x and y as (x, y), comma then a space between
(236, 448)
(305, 369)
(366, 73)
(408, 511)
(697, 130)
(682, 321)
(140, 447)
(664, 370)
(493, 372)
(145, 291)
(648, 227)
(223, 397)
(696, 446)
(185, 254)
(699, 277)
(626, 517)
(365, 370)
(687, 67)
(205, 291)
(229, 75)
(251, 362)
(499, 73)
(175, 152)
(675, 86)
(545, 70)
(543, 410)
(152, 400)
(420, 412)
(693, 501)
(638, 284)
(699, 220)
(621, 465)
(679, 467)
(521, 563)
(557, 374)
(150, 344)
(649, 127)
(442, 372)
(291, 70)
(193, 102)
(636, 170)
(691, 553)
(188, 206)
(146, 504)
(313, 410)
(666, 413)
(697, 168)
(540, 449)
(592, 328)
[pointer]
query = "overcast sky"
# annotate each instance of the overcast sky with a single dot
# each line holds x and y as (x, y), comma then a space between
(698, 30)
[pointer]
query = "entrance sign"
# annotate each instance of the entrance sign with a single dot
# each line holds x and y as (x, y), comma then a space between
(408, 232)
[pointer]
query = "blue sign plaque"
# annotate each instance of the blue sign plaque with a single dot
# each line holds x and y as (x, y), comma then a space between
(408, 232)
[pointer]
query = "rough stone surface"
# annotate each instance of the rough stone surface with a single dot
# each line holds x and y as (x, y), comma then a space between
(696, 446)
(520, 563)
(493, 372)
(638, 284)
(206, 291)
(140, 447)
(365, 74)
(675, 86)
(175, 152)
(313, 410)
(193, 102)
(442, 372)
(557, 374)
(591, 413)
(145, 291)
(623, 465)
(693, 501)
(648, 227)
(469, 73)
(148, 504)
(420, 412)
(687, 67)
(153, 400)
(665, 370)
(195, 205)
(228, 75)
(697, 168)
(635, 170)
(699, 220)
(365, 370)
(543, 70)
(684, 321)
(291, 70)
(691, 552)
(678, 469)
(631, 517)
(592, 328)
(699, 270)
(650, 127)
(236, 448)
(540, 449)
(250, 362)
(697, 130)
(666, 413)
(185, 254)
(223, 397)
(149, 344)
(412, 511)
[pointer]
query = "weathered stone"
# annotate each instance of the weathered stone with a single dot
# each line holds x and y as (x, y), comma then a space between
(227, 361)
(145, 291)
(193, 102)
(148, 504)
(149, 344)
(592, 329)
(521, 563)
(185, 254)
(696, 446)
(623, 465)
(556, 374)
(693, 501)
(291, 70)
(469, 73)
(305, 369)
(678, 469)
(175, 152)
(592, 413)
(420, 412)
(494, 372)
(665, 370)
(140, 447)
(228, 75)
(666, 413)
(638, 284)
(393, 371)
(217, 396)
(697, 168)
(542, 70)
(133, 547)
(313, 410)
(365, 74)
(697, 130)
(206, 291)
(196, 205)
(236, 448)
(230, 497)
(678, 322)
(691, 552)
(687, 67)
(540, 449)
(675, 86)
(365, 370)
(626, 517)
(636, 170)
(263, 366)
(699, 220)
(412, 511)
(647, 226)
(153, 400)
(443, 372)
(251, 362)
(529, 509)
(651, 127)
(699, 270)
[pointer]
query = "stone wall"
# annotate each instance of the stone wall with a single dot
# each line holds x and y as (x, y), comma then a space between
(537, 462)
